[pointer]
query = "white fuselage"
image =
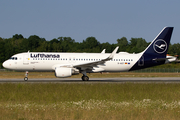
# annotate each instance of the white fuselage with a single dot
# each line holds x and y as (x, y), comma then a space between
(47, 61)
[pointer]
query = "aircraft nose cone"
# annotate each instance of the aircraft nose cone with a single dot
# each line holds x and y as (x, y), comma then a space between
(5, 64)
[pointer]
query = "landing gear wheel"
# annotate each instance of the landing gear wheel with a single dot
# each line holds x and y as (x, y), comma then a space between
(25, 78)
(85, 78)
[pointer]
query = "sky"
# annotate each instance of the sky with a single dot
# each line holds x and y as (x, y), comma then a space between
(106, 20)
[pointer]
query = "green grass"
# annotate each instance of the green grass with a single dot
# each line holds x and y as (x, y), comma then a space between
(89, 101)
(50, 93)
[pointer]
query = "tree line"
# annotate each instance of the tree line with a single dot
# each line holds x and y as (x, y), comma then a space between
(18, 44)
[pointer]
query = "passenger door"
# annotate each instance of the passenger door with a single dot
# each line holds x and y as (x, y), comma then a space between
(26, 59)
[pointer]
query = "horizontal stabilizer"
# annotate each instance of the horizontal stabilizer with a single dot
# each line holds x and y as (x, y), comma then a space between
(160, 59)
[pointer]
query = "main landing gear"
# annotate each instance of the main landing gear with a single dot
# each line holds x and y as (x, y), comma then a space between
(26, 78)
(84, 77)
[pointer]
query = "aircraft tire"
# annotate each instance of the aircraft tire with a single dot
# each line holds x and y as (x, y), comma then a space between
(85, 78)
(25, 78)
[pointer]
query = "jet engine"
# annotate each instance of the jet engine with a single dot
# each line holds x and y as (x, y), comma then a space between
(65, 72)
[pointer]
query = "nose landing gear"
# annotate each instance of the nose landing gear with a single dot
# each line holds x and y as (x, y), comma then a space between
(26, 78)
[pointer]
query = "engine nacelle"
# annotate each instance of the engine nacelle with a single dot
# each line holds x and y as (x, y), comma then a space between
(65, 72)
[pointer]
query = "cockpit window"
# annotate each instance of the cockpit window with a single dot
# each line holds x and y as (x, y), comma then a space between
(13, 58)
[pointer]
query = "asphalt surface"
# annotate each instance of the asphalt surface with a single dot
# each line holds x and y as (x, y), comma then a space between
(97, 80)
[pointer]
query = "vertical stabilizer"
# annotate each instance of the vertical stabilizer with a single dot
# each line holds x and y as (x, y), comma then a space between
(159, 46)
(155, 53)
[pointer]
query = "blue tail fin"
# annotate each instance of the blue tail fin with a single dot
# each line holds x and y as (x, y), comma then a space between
(155, 53)
(159, 46)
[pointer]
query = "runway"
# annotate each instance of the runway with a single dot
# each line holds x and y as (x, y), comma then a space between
(96, 80)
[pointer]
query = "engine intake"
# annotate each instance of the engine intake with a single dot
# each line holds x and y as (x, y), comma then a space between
(65, 72)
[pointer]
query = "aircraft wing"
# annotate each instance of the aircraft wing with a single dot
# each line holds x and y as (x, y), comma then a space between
(90, 65)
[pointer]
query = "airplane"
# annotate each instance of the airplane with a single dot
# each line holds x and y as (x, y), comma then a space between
(68, 64)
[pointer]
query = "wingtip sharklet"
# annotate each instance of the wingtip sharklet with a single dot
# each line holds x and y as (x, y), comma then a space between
(104, 51)
(113, 53)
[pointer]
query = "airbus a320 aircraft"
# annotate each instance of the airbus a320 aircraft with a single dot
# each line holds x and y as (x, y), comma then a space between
(68, 64)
